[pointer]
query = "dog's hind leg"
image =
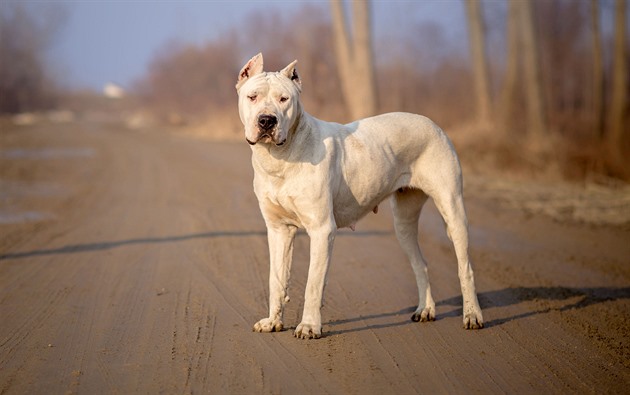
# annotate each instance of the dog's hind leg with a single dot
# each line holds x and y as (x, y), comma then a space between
(450, 204)
(407, 204)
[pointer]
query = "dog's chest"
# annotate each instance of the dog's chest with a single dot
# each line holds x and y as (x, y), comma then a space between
(280, 211)
(278, 201)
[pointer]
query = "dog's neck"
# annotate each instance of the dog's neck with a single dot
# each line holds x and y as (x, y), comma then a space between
(272, 159)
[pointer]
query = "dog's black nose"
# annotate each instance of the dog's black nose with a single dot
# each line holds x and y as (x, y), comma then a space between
(267, 122)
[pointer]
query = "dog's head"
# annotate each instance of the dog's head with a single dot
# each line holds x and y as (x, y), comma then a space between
(268, 102)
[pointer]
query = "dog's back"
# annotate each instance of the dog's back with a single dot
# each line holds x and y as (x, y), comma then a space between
(376, 156)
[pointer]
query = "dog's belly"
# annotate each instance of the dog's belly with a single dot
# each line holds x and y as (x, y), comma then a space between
(358, 196)
(374, 162)
(348, 214)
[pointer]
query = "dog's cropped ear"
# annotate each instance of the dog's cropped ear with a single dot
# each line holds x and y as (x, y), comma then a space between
(291, 73)
(253, 67)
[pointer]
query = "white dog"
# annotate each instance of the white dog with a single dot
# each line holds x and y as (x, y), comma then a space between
(323, 176)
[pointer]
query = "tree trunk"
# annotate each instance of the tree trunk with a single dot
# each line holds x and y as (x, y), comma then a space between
(598, 71)
(355, 60)
(480, 66)
(619, 98)
(536, 120)
(364, 58)
(510, 81)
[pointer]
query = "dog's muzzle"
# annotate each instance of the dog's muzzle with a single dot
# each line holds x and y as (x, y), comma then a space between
(266, 125)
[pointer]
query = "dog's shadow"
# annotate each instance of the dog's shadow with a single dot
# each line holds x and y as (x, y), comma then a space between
(556, 298)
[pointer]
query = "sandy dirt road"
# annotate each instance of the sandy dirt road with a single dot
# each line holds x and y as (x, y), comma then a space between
(137, 263)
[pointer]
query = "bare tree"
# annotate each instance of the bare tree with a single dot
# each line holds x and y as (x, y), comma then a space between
(25, 77)
(355, 59)
(187, 81)
(598, 70)
(618, 104)
(480, 67)
(510, 81)
(536, 122)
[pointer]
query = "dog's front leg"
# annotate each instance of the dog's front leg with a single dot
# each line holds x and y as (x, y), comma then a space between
(280, 255)
(321, 248)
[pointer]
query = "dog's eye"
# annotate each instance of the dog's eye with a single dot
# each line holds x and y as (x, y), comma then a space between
(283, 99)
(252, 97)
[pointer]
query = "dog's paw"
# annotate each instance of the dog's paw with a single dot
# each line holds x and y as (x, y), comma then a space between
(268, 325)
(308, 331)
(473, 321)
(424, 315)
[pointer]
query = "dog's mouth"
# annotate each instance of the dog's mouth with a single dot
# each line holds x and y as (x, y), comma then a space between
(266, 138)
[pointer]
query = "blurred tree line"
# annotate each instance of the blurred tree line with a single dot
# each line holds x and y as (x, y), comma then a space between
(27, 81)
(559, 79)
